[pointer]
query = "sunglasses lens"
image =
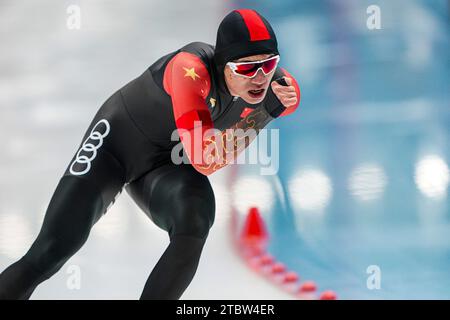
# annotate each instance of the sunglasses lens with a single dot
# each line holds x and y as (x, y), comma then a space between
(247, 69)
(269, 65)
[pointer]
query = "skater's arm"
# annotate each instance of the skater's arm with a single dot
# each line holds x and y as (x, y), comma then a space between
(188, 82)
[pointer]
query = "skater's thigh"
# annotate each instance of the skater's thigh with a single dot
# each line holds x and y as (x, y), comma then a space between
(92, 179)
(174, 195)
(76, 205)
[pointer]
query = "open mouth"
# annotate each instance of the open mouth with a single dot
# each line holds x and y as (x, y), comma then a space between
(256, 93)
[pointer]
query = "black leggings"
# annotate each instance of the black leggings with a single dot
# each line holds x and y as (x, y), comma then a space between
(181, 201)
(177, 198)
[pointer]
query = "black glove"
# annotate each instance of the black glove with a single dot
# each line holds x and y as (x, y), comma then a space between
(273, 105)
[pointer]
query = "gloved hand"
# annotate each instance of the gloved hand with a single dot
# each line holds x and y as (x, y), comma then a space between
(280, 96)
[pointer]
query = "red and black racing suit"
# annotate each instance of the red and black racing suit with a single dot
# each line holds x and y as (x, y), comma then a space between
(128, 144)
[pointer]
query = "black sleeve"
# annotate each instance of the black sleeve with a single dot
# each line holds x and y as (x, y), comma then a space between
(273, 106)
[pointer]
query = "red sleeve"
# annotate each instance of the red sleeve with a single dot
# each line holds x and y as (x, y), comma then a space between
(187, 81)
(297, 89)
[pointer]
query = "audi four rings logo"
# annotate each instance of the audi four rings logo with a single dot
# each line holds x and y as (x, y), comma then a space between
(88, 150)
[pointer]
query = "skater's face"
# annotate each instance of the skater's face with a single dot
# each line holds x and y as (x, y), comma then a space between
(251, 89)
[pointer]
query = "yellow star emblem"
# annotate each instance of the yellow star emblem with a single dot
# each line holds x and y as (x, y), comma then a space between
(191, 73)
(213, 102)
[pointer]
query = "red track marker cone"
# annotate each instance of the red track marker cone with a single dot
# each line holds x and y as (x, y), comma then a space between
(328, 295)
(254, 233)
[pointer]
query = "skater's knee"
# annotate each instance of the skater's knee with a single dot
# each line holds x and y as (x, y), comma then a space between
(195, 212)
(51, 251)
(75, 206)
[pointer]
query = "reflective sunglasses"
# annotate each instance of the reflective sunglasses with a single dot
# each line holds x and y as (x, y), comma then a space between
(250, 69)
